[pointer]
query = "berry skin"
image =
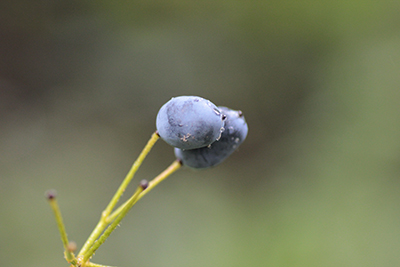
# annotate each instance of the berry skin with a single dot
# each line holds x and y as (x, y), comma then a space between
(189, 122)
(234, 134)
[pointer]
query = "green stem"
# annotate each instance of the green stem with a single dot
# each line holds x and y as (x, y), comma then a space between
(131, 173)
(103, 222)
(115, 223)
(162, 176)
(51, 196)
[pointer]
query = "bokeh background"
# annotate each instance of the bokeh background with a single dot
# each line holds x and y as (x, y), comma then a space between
(316, 183)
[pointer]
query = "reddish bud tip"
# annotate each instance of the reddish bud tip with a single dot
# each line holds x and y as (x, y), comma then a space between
(144, 184)
(72, 246)
(51, 194)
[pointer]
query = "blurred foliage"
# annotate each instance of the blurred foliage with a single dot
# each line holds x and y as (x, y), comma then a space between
(316, 183)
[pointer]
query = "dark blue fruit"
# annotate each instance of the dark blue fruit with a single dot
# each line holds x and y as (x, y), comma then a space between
(234, 134)
(189, 122)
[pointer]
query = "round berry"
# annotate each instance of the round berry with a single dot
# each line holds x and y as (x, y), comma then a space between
(189, 122)
(234, 134)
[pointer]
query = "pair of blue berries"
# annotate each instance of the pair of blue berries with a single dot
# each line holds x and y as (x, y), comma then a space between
(203, 134)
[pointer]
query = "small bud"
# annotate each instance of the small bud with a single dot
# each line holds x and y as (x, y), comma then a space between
(72, 246)
(51, 194)
(144, 184)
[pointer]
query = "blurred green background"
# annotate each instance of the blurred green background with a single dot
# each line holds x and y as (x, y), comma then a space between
(316, 183)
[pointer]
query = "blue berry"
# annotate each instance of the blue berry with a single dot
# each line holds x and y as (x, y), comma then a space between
(189, 122)
(234, 134)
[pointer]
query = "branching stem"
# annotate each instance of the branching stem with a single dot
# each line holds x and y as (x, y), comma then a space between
(103, 222)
